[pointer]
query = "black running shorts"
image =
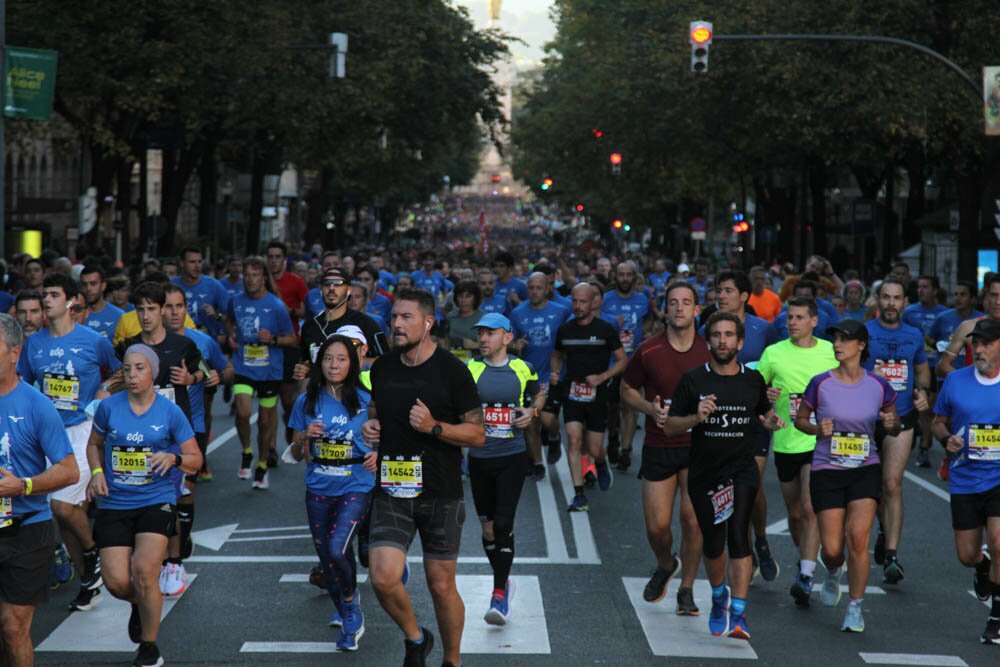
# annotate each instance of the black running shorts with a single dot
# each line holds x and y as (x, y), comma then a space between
(26, 554)
(662, 463)
(790, 465)
(970, 511)
(394, 522)
(118, 528)
(834, 489)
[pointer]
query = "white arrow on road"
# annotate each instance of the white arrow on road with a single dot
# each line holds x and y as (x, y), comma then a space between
(778, 528)
(213, 538)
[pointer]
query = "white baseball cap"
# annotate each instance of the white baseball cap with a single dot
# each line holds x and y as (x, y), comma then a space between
(352, 331)
(683, 268)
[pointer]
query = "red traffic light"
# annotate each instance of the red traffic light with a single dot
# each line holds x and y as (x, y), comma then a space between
(741, 227)
(616, 158)
(597, 133)
(579, 208)
(495, 178)
(617, 224)
(701, 32)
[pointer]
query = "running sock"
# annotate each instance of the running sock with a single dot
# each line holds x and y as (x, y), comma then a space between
(995, 610)
(856, 602)
(248, 450)
(185, 520)
(719, 591)
(503, 559)
(262, 464)
(737, 606)
(417, 642)
(490, 547)
(890, 554)
(578, 489)
(499, 591)
(92, 551)
(173, 561)
(808, 567)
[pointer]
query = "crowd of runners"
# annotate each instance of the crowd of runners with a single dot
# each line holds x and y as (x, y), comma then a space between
(396, 374)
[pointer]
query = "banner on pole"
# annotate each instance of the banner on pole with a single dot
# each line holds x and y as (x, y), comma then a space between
(991, 100)
(29, 82)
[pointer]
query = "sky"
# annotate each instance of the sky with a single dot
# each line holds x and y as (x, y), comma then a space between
(527, 19)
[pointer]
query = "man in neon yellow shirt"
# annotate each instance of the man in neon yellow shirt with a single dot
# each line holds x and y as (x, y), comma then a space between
(787, 367)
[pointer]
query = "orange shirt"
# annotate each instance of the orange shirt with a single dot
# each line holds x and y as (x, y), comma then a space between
(767, 305)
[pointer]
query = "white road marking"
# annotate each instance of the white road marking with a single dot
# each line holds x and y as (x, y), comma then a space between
(986, 603)
(682, 636)
(103, 629)
(272, 530)
(526, 631)
(296, 578)
(869, 590)
(226, 436)
(555, 540)
(779, 527)
(268, 539)
(289, 647)
(466, 560)
(912, 659)
(929, 486)
(213, 538)
(586, 548)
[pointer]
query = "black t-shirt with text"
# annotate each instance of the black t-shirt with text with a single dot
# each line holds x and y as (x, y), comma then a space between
(317, 329)
(723, 446)
(586, 348)
(446, 387)
(171, 350)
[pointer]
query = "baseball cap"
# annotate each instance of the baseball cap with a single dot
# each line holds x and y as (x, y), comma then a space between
(336, 272)
(493, 321)
(352, 331)
(987, 329)
(849, 329)
(683, 268)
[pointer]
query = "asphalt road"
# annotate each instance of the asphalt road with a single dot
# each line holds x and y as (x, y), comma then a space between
(578, 600)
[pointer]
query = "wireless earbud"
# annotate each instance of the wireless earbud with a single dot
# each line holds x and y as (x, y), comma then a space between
(427, 326)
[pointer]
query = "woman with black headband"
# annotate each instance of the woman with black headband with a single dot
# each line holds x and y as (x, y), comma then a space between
(327, 421)
(138, 439)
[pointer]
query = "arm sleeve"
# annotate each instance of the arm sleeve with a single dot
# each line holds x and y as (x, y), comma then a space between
(24, 368)
(683, 402)
(180, 428)
(811, 395)
(192, 356)
(771, 336)
(635, 372)
(764, 367)
(921, 356)
(50, 432)
(297, 418)
(614, 342)
(217, 361)
(942, 406)
(282, 321)
(763, 405)
(464, 392)
(101, 418)
(106, 355)
(889, 394)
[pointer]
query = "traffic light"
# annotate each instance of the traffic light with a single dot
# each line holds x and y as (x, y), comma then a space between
(546, 183)
(627, 228)
(701, 38)
(617, 224)
(597, 133)
(616, 163)
(579, 208)
(739, 222)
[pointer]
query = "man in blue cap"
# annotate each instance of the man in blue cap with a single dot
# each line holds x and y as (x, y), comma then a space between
(506, 385)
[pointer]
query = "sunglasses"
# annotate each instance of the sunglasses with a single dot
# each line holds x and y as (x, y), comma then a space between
(334, 282)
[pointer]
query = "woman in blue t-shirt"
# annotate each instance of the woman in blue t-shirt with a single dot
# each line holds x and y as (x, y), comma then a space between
(327, 420)
(138, 438)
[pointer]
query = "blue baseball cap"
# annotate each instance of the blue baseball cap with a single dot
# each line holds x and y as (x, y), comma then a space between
(493, 321)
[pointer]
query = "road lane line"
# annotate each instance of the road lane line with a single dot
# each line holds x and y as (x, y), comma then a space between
(289, 647)
(526, 631)
(462, 560)
(929, 486)
(296, 578)
(224, 438)
(103, 629)
(583, 537)
(267, 539)
(271, 530)
(555, 540)
(682, 636)
(913, 659)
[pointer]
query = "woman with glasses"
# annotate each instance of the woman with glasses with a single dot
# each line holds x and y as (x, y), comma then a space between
(340, 477)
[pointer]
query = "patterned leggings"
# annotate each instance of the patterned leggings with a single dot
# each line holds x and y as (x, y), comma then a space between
(333, 522)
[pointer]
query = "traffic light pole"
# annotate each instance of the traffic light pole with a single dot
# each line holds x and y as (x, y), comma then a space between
(864, 38)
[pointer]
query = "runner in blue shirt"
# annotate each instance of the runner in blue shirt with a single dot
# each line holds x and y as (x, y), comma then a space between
(897, 354)
(139, 439)
(535, 325)
(659, 278)
(431, 280)
(102, 317)
(967, 419)
(509, 286)
(491, 301)
(809, 289)
(207, 299)
(259, 327)
(946, 323)
(68, 363)
(922, 315)
(377, 304)
(232, 282)
(340, 477)
(30, 432)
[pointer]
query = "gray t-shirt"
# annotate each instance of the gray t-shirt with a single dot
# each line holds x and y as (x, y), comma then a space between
(500, 392)
(460, 327)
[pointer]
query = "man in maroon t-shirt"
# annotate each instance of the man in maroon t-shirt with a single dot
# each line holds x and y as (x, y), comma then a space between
(292, 290)
(648, 384)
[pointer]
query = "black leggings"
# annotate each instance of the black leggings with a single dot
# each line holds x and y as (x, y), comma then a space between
(496, 488)
(735, 530)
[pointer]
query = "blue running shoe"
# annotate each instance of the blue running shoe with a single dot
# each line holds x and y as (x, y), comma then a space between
(336, 621)
(738, 628)
(802, 589)
(62, 568)
(718, 618)
(406, 573)
(579, 504)
(604, 477)
(853, 620)
(499, 610)
(354, 624)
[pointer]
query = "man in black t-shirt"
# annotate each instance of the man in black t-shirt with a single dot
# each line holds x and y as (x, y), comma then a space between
(424, 408)
(335, 288)
(721, 403)
(585, 343)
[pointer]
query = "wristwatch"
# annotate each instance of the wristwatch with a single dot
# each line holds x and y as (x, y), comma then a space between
(106, 387)
(178, 460)
(436, 431)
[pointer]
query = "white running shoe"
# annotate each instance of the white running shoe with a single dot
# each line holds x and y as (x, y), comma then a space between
(176, 580)
(830, 595)
(163, 578)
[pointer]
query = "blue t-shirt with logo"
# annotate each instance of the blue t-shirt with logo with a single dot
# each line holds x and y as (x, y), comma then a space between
(216, 360)
(207, 291)
(251, 359)
(921, 317)
(339, 430)
(495, 304)
(68, 369)
(659, 283)
(539, 326)
(314, 303)
(633, 309)
(387, 280)
(232, 288)
(129, 442)
(970, 401)
(379, 305)
(105, 321)
(944, 326)
(897, 351)
(435, 283)
(30, 432)
(515, 285)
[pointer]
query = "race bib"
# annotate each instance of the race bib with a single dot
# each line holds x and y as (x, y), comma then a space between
(6, 512)
(627, 339)
(722, 503)
(313, 351)
(895, 371)
(794, 401)
(849, 450)
(984, 442)
(132, 465)
(167, 392)
(499, 419)
(329, 455)
(402, 478)
(460, 353)
(256, 355)
(582, 392)
(62, 390)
